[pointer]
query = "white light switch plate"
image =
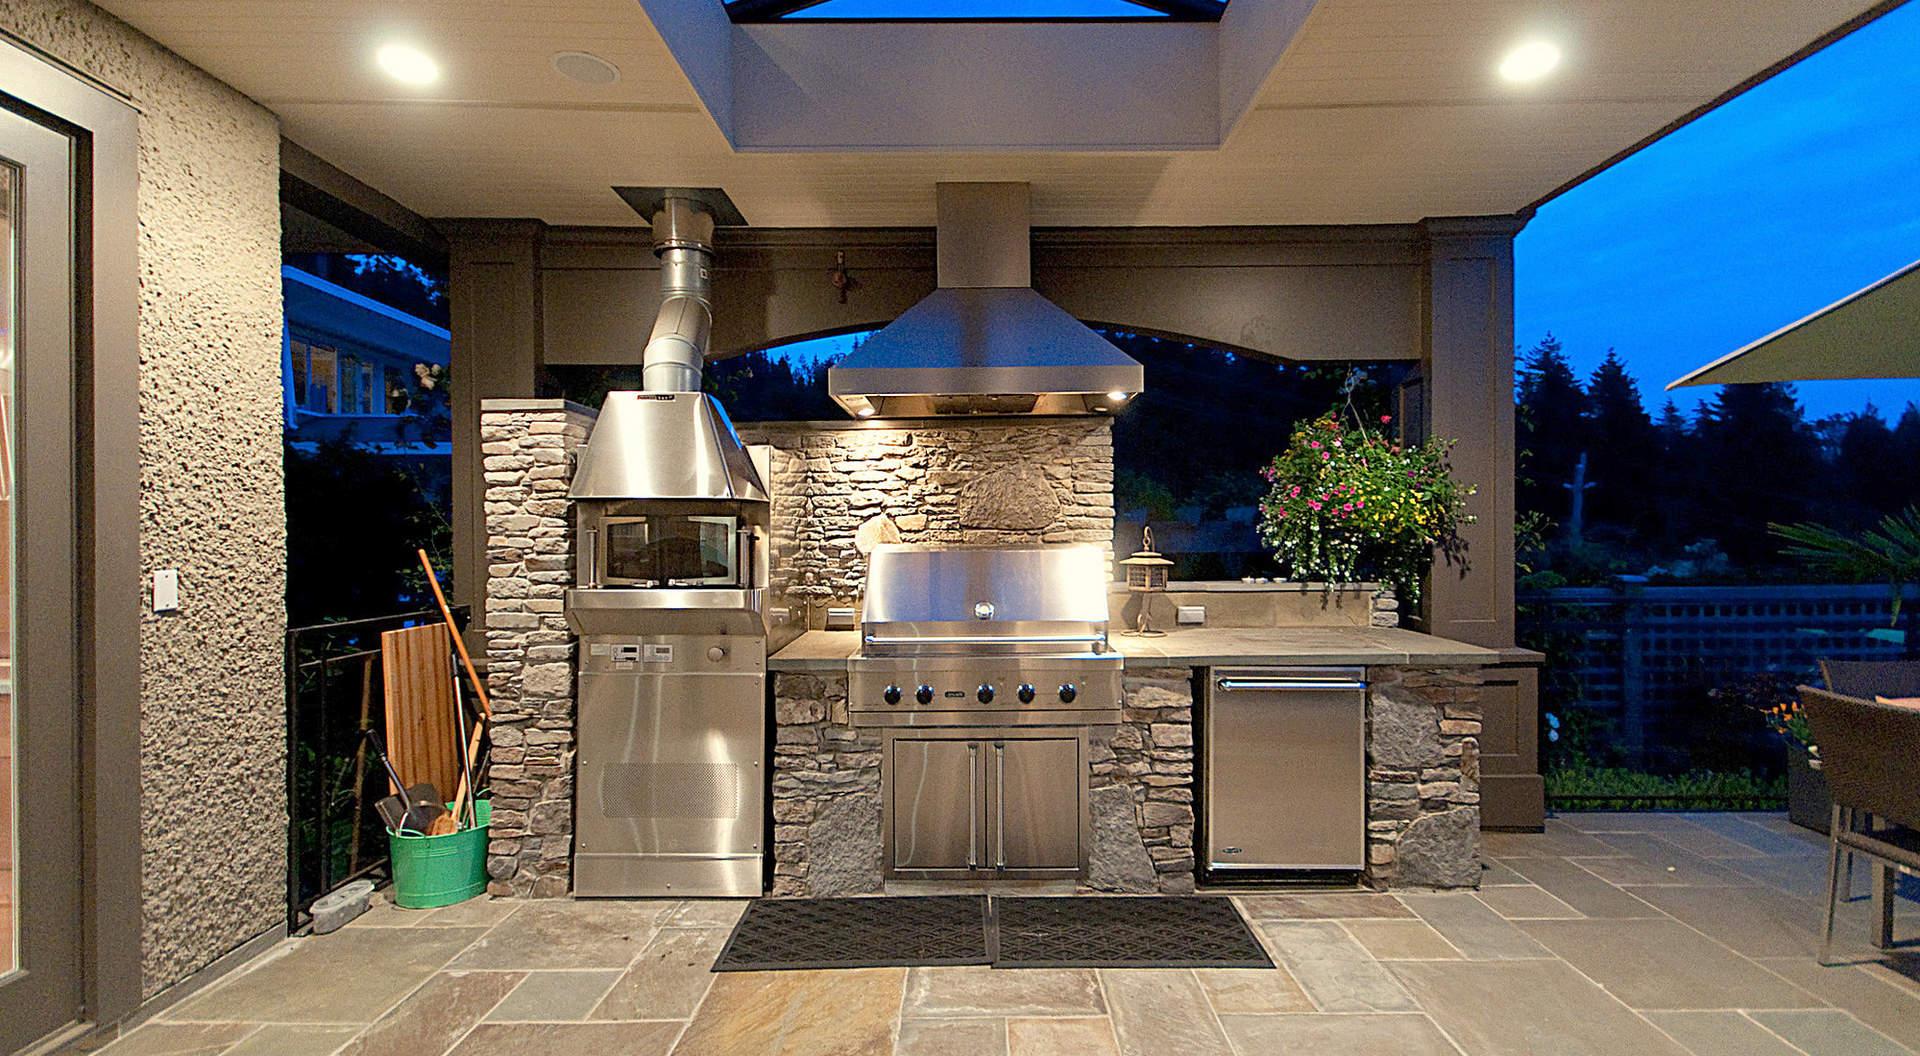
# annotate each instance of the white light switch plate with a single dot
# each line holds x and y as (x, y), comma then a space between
(1190, 614)
(166, 590)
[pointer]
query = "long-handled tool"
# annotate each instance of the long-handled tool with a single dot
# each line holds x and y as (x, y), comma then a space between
(416, 808)
(445, 825)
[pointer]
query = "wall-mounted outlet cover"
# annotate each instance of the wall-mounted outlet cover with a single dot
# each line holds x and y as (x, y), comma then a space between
(166, 590)
(1194, 615)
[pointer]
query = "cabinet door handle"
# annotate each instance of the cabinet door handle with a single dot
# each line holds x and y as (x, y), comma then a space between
(999, 805)
(973, 805)
(591, 574)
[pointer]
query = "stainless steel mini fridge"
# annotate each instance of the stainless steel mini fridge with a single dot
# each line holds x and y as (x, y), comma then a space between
(1285, 781)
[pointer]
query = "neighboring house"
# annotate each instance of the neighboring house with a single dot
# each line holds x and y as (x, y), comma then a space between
(350, 371)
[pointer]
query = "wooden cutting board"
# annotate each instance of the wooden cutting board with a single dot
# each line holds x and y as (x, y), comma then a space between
(422, 739)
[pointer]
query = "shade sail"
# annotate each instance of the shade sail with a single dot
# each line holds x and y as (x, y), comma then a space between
(1871, 333)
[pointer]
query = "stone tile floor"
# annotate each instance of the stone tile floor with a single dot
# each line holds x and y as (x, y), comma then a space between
(1625, 934)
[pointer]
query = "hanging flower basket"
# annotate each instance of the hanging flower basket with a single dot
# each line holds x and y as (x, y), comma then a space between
(1346, 503)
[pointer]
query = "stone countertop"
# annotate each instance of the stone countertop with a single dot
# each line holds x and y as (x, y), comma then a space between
(1207, 646)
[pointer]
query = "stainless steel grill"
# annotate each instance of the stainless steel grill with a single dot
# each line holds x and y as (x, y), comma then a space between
(970, 637)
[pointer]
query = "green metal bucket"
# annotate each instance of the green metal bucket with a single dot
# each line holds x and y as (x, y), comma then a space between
(431, 871)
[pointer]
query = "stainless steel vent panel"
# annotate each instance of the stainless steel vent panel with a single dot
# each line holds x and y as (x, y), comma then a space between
(908, 586)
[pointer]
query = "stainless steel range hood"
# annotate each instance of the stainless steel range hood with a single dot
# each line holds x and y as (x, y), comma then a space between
(665, 445)
(984, 342)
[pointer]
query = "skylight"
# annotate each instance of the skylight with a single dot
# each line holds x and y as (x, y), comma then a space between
(974, 10)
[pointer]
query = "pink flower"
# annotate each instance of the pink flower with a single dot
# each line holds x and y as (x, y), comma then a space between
(1315, 505)
(1315, 444)
(1385, 418)
(1324, 457)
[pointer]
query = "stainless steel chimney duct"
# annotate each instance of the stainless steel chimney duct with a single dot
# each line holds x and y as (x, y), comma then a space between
(677, 350)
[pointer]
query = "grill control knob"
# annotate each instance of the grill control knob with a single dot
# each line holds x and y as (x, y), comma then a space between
(984, 693)
(1026, 693)
(892, 694)
(924, 694)
(1068, 692)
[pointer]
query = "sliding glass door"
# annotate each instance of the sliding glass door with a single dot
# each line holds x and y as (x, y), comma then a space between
(40, 863)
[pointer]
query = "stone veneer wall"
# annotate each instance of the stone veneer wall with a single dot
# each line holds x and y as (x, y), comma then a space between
(212, 495)
(1142, 797)
(826, 792)
(839, 488)
(527, 451)
(1423, 777)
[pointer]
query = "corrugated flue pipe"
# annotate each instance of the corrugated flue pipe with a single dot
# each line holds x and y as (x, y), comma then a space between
(683, 240)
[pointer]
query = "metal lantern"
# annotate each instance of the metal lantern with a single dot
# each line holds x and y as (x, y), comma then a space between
(1146, 574)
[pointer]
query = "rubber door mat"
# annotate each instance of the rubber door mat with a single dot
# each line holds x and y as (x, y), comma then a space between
(1187, 931)
(779, 933)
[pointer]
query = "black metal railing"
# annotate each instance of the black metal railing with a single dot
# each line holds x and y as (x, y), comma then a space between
(335, 689)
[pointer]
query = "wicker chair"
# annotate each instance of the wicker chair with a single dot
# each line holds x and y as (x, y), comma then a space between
(1868, 679)
(1869, 751)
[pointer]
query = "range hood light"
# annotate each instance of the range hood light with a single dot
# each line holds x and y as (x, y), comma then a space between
(865, 412)
(1117, 397)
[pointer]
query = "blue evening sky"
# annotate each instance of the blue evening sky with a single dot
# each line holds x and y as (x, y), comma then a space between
(1777, 204)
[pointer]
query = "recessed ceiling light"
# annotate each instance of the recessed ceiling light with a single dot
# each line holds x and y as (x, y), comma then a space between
(585, 67)
(1530, 61)
(407, 64)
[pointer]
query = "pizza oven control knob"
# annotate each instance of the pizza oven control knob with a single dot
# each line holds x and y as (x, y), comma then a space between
(1068, 692)
(1026, 693)
(716, 654)
(924, 694)
(984, 694)
(892, 694)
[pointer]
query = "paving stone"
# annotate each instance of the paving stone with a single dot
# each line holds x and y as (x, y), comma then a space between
(795, 1014)
(983, 991)
(1885, 1006)
(557, 996)
(1721, 1034)
(1526, 903)
(1162, 1010)
(569, 935)
(1253, 990)
(572, 1039)
(1477, 932)
(669, 979)
(434, 1016)
(951, 1037)
(1357, 1035)
(1330, 906)
(1334, 970)
(297, 1039)
(1401, 940)
(1663, 964)
(351, 976)
(1528, 1008)
(1061, 1037)
(1829, 1033)
(1568, 882)
(179, 1039)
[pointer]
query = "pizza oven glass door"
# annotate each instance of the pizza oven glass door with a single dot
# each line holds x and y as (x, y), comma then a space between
(672, 550)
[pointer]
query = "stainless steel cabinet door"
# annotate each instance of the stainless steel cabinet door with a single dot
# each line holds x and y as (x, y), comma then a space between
(936, 804)
(1033, 799)
(1285, 773)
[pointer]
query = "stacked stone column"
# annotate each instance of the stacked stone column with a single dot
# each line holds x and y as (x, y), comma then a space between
(1423, 777)
(527, 451)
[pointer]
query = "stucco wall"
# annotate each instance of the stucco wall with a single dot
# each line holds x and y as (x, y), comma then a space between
(212, 781)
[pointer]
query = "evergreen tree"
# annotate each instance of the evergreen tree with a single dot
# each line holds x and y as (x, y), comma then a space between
(1623, 460)
(1759, 462)
(1550, 428)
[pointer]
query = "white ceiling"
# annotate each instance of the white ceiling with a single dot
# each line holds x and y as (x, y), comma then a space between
(1380, 111)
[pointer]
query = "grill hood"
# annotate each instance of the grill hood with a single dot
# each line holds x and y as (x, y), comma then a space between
(983, 342)
(665, 445)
